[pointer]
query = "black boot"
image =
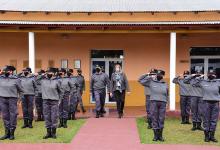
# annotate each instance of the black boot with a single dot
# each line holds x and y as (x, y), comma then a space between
(207, 137)
(199, 127)
(160, 135)
(30, 124)
(65, 123)
(183, 120)
(69, 116)
(149, 123)
(38, 118)
(25, 124)
(7, 134)
(212, 137)
(155, 135)
(48, 135)
(187, 120)
(97, 114)
(12, 136)
(61, 123)
(194, 126)
(73, 116)
(119, 115)
(83, 109)
(53, 135)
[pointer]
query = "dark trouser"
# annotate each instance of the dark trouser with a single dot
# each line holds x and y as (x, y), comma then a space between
(211, 115)
(158, 112)
(80, 99)
(39, 105)
(73, 103)
(147, 100)
(120, 100)
(185, 105)
(63, 107)
(28, 106)
(100, 99)
(197, 109)
(51, 113)
(9, 111)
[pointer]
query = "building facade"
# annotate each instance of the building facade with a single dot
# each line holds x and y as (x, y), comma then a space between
(175, 37)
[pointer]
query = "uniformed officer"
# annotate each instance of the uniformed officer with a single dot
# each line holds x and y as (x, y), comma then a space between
(10, 88)
(147, 96)
(81, 82)
(63, 106)
(38, 95)
(74, 93)
(27, 100)
(99, 82)
(159, 97)
(118, 87)
(52, 94)
(211, 97)
(196, 101)
(184, 97)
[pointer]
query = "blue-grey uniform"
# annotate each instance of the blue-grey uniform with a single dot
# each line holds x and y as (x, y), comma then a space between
(118, 86)
(99, 82)
(159, 98)
(81, 81)
(211, 98)
(74, 92)
(147, 97)
(196, 102)
(10, 89)
(27, 98)
(63, 106)
(38, 98)
(52, 93)
(184, 91)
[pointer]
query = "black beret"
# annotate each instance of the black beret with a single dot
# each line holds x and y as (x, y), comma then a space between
(161, 72)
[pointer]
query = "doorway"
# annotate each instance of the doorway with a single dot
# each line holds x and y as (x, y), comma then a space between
(106, 59)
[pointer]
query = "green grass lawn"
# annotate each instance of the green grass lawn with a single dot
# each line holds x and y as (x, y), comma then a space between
(35, 135)
(174, 133)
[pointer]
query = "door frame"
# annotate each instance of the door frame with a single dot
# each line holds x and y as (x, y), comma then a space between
(106, 71)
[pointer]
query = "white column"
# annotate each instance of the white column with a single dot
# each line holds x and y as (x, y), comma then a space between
(172, 70)
(31, 51)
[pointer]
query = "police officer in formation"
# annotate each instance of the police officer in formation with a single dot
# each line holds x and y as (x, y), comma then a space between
(38, 95)
(185, 97)
(152, 73)
(52, 94)
(81, 81)
(63, 106)
(27, 98)
(74, 94)
(196, 95)
(158, 97)
(10, 89)
(118, 87)
(99, 82)
(211, 97)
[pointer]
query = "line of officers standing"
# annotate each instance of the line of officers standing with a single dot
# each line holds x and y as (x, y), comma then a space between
(199, 94)
(56, 94)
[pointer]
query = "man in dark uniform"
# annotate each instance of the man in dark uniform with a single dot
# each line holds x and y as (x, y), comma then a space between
(52, 93)
(159, 97)
(118, 87)
(38, 96)
(147, 96)
(10, 88)
(74, 93)
(211, 97)
(196, 101)
(81, 82)
(185, 94)
(99, 82)
(29, 87)
(63, 106)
